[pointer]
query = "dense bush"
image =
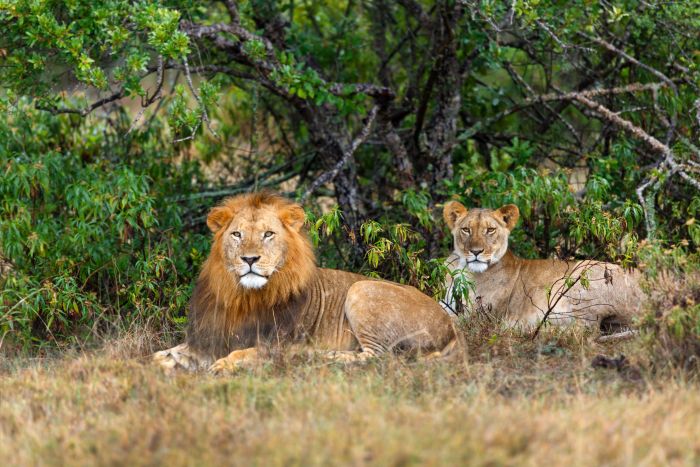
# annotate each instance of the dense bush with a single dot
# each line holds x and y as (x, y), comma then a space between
(671, 326)
(93, 238)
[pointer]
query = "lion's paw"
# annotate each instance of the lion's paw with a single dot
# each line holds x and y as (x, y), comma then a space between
(348, 357)
(177, 358)
(236, 360)
(223, 366)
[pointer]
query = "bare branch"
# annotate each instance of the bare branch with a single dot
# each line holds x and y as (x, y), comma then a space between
(372, 90)
(519, 79)
(86, 111)
(156, 95)
(612, 117)
(232, 10)
(566, 285)
(511, 13)
(668, 164)
(551, 34)
(347, 155)
(630, 88)
(205, 115)
(631, 59)
(111, 98)
(568, 96)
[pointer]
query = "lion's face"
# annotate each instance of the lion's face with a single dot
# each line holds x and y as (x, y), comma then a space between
(480, 235)
(254, 239)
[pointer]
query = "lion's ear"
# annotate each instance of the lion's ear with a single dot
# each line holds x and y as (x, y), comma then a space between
(452, 211)
(293, 216)
(218, 218)
(510, 215)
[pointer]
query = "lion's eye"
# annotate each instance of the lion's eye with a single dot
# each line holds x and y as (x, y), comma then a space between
(236, 234)
(467, 230)
(490, 230)
(268, 234)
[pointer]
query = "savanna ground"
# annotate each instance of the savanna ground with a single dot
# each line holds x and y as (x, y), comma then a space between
(501, 399)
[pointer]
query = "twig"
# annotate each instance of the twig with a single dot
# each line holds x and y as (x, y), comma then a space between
(86, 111)
(205, 115)
(232, 11)
(347, 155)
(149, 101)
(191, 135)
(560, 293)
(568, 96)
(630, 88)
(630, 59)
(551, 34)
(212, 69)
(511, 13)
(372, 90)
(612, 117)
(519, 79)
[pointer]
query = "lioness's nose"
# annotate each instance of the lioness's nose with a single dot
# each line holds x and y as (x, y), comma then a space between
(250, 259)
(476, 252)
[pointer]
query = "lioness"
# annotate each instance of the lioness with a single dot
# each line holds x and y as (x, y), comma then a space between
(260, 284)
(524, 290)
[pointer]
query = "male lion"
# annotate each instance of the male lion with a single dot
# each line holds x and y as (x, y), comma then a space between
(523, 291)
(261, 285)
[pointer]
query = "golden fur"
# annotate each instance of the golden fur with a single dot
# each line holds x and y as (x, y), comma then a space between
(592, 292)
(219, 306)
(260, 285)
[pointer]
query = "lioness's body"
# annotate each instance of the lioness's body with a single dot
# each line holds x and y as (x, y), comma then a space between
(516, 289)
(524, 290)
(257, 289)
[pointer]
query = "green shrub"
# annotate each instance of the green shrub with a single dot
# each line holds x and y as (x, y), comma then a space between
(89, 229)
(671, 326)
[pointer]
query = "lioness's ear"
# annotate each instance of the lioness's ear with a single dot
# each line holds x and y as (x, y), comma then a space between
(218, 218)
(293, 216)
(510, 215)
(452, 211)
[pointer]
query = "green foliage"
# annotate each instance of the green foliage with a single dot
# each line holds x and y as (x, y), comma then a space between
(393, 251)
(88, 230)
(554, 220)
(86, 36)
(326, 224)
(104, 45)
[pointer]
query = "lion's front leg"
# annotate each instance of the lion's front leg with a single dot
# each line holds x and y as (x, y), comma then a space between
(180, 357)
(244, 358)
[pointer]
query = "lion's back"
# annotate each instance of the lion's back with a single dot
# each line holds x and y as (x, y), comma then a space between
(585, 290)
(324, 317)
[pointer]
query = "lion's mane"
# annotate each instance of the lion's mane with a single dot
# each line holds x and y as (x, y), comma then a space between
(224, 315)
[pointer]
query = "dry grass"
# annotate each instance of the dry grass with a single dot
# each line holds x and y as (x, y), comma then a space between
(507, 401)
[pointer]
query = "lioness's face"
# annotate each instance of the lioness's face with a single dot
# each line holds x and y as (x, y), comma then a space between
(254, 240)
(480, 235)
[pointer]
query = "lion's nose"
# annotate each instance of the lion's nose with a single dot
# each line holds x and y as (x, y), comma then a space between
(250, 259)
(476, 252)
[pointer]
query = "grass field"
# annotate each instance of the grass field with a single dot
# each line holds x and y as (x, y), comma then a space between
(498, 401)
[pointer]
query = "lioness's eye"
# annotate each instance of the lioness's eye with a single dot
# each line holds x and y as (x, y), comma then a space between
(236, 234)
(268, 234)
(490, 230)
(467, 231)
